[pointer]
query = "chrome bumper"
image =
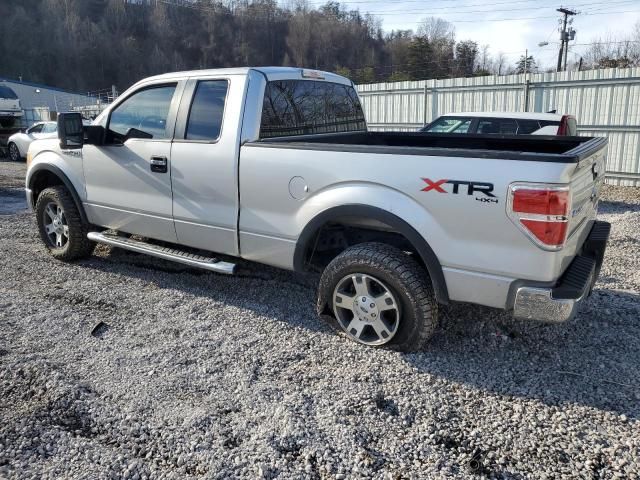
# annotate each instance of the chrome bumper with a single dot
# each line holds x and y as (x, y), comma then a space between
(29, 194)
(538, 304)
(560, 303)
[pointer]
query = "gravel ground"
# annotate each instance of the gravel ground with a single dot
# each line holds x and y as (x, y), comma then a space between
(197, 375)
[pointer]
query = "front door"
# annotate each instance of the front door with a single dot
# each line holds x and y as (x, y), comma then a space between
(128, 179)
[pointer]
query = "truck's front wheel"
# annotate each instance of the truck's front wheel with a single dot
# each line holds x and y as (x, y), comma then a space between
(379, 296)
(60, 224)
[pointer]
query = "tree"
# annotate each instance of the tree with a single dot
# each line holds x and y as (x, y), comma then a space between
(526, 65)
(466, 54)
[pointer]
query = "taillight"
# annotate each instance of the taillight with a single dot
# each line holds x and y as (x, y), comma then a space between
(541, 211)
(563, 129)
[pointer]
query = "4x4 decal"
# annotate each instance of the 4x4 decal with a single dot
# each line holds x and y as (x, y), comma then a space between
(473, 187)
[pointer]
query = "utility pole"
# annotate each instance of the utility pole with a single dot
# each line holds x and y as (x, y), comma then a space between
(564, 38)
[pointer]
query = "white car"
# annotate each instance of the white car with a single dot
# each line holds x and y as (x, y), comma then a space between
(10, 109)
(19, 142)
(504, 123)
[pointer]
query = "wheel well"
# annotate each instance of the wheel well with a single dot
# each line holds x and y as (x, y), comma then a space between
(333, 231)
(48, 176)
(41, 180)
(337, 235)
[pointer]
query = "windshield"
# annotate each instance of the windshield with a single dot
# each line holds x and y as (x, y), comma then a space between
(7, 93)
(448, 125)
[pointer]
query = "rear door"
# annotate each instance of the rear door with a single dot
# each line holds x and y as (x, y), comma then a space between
(204, 163)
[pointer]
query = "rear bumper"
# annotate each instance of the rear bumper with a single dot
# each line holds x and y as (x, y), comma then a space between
(560, 303)
(10, 113)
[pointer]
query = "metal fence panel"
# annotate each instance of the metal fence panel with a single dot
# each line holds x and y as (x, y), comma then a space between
(605, 102)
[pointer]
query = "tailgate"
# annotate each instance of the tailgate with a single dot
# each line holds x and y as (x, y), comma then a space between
(586, 182)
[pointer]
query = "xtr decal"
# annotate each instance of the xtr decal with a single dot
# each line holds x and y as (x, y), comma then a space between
(473, 187)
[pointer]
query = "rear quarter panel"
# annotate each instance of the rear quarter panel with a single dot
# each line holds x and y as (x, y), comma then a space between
(464, 231)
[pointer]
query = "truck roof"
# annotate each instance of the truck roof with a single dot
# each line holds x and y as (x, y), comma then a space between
(272, 73)
(522, 115)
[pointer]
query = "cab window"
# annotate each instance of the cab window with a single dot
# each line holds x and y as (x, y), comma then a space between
(207, 111)
(303, 107)
(146, 110)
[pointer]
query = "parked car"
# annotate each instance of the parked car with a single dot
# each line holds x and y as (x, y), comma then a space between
(18, 143)
(275, 165)
(504, 123)
(10, 109)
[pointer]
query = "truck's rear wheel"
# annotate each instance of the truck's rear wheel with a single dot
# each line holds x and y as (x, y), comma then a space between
(60, 224)
(379, 296)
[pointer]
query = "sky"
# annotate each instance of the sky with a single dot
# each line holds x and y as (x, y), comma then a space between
(511, 26)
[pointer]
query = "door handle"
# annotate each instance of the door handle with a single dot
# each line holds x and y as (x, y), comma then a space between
(158, 164)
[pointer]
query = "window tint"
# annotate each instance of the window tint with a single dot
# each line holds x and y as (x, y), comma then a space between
(301, 107)
(527, 127)
(6, 92)
(503, 126)
(207, 109)
(36, 128)
(449, 125)
(146, 110)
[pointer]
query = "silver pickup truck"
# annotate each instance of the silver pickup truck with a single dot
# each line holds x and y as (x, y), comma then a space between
(275, 165)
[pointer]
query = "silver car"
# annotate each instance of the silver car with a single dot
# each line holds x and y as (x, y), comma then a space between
(19, 142)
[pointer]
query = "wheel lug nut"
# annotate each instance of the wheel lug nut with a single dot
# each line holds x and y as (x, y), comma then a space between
(372, 305)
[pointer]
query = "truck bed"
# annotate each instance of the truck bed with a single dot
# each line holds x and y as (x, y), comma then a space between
(540, 148)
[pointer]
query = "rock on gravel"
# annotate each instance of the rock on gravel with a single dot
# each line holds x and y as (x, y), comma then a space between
(198, 375)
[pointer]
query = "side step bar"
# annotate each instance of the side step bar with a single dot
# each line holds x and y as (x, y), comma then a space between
(172, 254)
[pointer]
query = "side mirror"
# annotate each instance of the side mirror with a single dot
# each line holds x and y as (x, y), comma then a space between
(70, 130)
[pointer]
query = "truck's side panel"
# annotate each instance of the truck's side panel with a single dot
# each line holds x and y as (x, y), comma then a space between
(470, 234)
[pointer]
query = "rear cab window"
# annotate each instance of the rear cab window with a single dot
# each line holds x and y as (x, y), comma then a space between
(304, 107)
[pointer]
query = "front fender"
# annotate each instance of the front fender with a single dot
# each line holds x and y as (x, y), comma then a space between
(66, 166)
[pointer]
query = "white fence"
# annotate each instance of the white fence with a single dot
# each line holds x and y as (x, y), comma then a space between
(605, 102)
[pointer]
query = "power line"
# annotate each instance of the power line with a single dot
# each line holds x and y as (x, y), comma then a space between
(459, 12)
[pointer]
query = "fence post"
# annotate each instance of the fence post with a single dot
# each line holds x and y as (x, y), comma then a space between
(434, 104)
(424, 104)
(527, 86)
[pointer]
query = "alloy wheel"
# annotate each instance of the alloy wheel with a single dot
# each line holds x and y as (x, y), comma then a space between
(366, 309)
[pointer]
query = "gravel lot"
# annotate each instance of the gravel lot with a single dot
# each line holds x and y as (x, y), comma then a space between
(197, 375)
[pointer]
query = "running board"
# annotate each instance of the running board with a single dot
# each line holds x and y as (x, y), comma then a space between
(172, 254)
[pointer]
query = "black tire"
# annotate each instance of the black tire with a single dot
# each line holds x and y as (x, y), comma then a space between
(77, 245)
(405, 279)
(14, 152)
